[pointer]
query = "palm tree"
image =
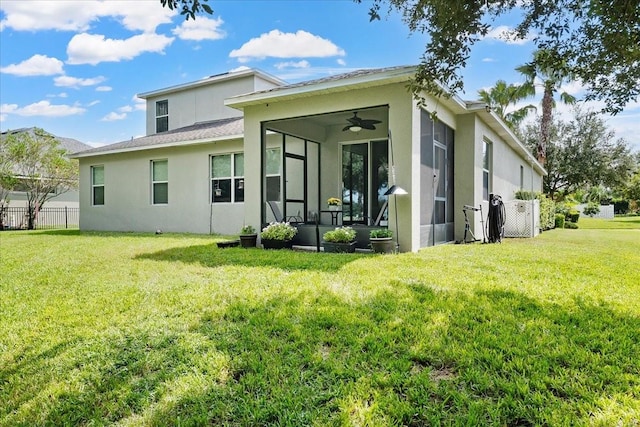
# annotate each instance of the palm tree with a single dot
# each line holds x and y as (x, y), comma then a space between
(549, 69)
(502, 95)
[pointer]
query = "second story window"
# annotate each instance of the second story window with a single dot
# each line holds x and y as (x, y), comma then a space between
(162, 116)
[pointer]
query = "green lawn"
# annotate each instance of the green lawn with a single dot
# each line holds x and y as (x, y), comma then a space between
(135, 330)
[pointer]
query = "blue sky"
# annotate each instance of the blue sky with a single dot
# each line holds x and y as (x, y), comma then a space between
(74, 67)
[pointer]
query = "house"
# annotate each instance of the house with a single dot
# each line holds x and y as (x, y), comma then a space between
(18, 198)
(242, 147)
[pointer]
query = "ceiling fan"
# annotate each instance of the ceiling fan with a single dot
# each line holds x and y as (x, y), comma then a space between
(356, 124)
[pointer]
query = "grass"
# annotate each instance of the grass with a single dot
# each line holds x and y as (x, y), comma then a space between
(132, 329)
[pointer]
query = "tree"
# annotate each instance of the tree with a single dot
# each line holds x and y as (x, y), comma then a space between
(552, 72)
(7, 180)
(40, 166)
(188, 8)
(597, 40)
(583, 153)
(501, 96)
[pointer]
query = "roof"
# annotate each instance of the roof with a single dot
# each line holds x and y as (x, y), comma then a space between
(213, 79)
(69, 144)
(198, 133)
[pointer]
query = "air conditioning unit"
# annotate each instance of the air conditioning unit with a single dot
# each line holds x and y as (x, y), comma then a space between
(522, 218)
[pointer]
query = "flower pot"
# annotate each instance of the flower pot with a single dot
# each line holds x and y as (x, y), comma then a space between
(339, 247)
(276, 244)
(248, 240)
(334, 207)
(382, 245)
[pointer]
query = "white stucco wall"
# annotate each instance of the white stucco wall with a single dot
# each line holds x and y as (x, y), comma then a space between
(202, 103)
(128, 192)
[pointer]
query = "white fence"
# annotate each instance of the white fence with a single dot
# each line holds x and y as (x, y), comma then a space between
(606, 211)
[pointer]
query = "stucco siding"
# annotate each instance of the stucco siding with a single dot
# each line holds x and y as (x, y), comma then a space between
(128, 205)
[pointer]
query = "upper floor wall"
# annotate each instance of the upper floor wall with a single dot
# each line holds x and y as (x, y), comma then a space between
(201, 101)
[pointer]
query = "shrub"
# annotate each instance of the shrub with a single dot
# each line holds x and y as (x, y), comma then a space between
(380, 233)
(279, 231)
(620, 206)
(248, 229)
(591, 209)
(570, 225)
(547, 212)
(573, 215)
(340, 235)
(527, 195)
(559, 220)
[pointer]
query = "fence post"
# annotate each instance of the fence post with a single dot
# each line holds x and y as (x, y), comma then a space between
(66, 218)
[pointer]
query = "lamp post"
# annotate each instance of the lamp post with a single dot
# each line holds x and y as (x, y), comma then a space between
(394, 191)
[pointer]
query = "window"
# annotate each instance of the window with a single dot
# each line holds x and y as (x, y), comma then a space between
(273, 174)
(159, 182)
(162, 116)
(486, 170)
(97, 185)
(227, 178)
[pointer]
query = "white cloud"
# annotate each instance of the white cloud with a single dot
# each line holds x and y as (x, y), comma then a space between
(42, 108)
(37, 65)
(277, 44)
(73, 15)
(75, 82)
(202, 28)
(341, 62)
(506, 34)
(92, 103)
(299, 64)
(104, 89)
(139, 104)
(93, 48)
(240, 68)
(488, 60)
(113, 116)
(126, 109)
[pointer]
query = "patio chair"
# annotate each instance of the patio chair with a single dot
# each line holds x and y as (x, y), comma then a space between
(280, 218)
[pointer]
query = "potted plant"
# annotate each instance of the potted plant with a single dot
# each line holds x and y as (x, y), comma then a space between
(334, 203)
(381, 241)
(248, 237)
(278, 235)
(341, 239)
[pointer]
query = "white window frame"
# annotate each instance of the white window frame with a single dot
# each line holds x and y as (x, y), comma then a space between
(162, 116)
(94, 186)
(487, 154)
(154, 182)
(234, 178)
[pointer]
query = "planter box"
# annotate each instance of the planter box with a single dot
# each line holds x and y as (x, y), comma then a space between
(339, 247)
(277, 244)
(248, 240)
(382, 245)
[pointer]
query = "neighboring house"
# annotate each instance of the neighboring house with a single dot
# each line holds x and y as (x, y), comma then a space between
(69, 199)
(218, 151)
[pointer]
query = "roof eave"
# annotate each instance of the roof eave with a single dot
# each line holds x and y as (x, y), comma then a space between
(84, 154)
(363, 81)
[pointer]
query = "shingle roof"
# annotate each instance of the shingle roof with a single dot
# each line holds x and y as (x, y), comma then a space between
(211, 130)
(337, 77)
(71, 145)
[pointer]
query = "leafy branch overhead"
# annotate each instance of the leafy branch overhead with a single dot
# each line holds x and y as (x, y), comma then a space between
(188, 8)
(597, 41)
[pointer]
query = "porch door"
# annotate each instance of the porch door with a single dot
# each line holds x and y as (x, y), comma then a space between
(365, 179)
(295, 175)
(440, 192)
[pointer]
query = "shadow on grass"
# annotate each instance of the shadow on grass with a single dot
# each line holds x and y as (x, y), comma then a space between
(286, 259)
(415, 356)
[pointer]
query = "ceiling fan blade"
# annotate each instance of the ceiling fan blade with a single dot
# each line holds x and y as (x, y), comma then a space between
(346, 128)
(370, 121)
(368, 126)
